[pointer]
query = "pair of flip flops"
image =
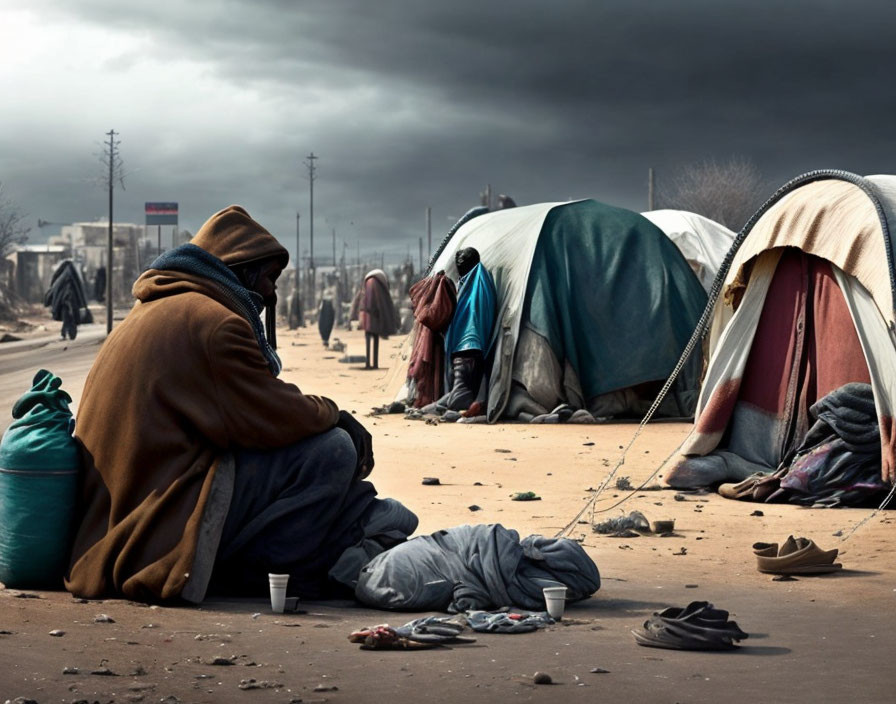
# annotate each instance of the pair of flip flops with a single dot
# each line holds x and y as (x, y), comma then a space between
(697, 626)
(795, 556)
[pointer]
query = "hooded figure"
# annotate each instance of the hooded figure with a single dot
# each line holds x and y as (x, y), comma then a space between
(201, 466)
(67, 298)
(377, 314)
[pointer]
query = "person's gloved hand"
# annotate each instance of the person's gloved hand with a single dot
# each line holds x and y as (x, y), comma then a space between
(362, 441)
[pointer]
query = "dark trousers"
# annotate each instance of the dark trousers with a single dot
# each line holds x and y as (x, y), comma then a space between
(294, 511)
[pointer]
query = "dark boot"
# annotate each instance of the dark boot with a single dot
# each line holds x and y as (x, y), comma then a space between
(467, 376)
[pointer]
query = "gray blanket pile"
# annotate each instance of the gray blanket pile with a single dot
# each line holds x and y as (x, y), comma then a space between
(481, 567)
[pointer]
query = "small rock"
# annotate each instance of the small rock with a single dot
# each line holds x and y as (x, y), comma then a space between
(80, 601)
(21, 700)
(784, 578)
(838, 534)
(599, 671)
(57, 633)
(757, 512)
(431, 481)
(501, 449)
(542, 678)
(5, 633)
(474, 507)
(103, 618)
(221, 661)
(587, 444)
(477, 483)
(691, 586)
(326, 688)
(26, 595)
(70, 671)
(525, 496)
(680, 497)
(104, 672)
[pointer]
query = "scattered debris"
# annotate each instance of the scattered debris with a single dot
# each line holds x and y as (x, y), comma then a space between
(26, 595)
(587, 444)
(542, 678)
(757, 512)
(624, 534)
(57, 633)
(623, 484)
(431, 481)
(599, 671)
(683, 551)
(633, 521)
(784, 578)
(474, 507)
(103, 618)
(252, 683)
(837, 534)
(680, 497)
(326, 688)
(221, 661)
(691, 586)
(70, 671)
(104, 672)
(525, 496)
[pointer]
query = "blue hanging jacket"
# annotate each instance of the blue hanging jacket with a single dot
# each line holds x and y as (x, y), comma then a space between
(39, 472)
(474, 318)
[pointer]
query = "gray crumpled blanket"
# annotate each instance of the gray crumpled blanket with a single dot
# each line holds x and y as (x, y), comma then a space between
(481, 567)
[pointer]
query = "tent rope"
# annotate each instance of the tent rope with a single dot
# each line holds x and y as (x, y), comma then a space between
(703, 327)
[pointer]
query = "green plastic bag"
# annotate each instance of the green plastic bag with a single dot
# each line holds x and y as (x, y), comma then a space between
(39, 472)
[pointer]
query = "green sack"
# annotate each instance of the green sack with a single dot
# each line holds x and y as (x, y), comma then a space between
(39, 472)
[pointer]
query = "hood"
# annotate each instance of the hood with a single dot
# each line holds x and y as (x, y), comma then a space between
(235, 238)
(230, 235)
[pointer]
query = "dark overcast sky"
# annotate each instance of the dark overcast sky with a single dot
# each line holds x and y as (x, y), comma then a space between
(416, 103)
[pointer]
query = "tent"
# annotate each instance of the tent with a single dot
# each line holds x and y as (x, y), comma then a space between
(703, 242)
(806, 303)
(595, 305)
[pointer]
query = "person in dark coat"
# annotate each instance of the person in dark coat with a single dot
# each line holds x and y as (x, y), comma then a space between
(67, 298)
(378, 316)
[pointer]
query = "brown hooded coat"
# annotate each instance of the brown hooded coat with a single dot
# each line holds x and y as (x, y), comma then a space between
(177, 386)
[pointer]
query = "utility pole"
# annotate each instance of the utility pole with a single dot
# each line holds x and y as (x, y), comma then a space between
(428, 234)
(334, 248)
(311, 176)
(298, 257)
(650, 188)
(421, 253)
(112, 157)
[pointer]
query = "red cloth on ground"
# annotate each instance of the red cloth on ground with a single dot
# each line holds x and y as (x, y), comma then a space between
(434, 300)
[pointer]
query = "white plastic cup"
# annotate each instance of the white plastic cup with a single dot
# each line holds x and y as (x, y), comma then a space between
(555, 601)
(278, 584)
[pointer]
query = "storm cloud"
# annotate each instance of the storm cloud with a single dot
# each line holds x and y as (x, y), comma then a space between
(415, 104)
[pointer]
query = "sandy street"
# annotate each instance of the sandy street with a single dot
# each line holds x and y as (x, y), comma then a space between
(828, 638)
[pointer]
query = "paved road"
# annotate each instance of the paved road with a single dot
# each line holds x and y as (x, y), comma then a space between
(68, 359)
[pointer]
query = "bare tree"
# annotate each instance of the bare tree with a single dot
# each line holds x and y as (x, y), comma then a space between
(13, 230)
(728, 192)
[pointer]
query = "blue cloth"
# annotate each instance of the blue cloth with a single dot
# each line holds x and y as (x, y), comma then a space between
(191, 259)
(474, 318)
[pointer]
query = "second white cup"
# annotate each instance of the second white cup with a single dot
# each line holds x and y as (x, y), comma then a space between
(278, 584)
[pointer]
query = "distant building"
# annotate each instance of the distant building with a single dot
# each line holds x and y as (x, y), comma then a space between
(32, 267)
(87, 244)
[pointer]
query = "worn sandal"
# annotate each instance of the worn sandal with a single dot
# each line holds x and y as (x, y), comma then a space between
(698, 626)
(795, 556)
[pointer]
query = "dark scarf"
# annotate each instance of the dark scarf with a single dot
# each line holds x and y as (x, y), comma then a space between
(191, 259)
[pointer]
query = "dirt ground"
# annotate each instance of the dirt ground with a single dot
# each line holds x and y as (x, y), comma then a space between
(829, 638)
